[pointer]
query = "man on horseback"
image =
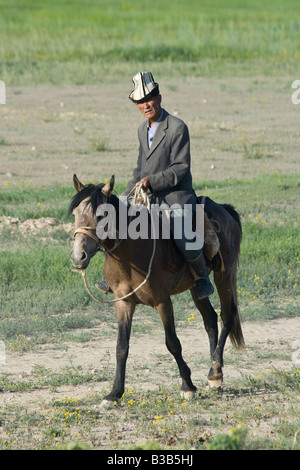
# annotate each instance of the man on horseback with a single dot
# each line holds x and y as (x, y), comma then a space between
(163, 170)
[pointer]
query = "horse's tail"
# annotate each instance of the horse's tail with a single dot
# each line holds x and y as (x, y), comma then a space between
(234, 214)
(236, 333)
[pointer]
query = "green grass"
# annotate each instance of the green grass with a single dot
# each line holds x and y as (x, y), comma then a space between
(30, 202)
(98, 41)
(26, 202)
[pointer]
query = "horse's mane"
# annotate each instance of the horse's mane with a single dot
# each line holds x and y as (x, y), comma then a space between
(95, 195)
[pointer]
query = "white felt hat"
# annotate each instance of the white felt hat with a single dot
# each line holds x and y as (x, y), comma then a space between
(144, 87)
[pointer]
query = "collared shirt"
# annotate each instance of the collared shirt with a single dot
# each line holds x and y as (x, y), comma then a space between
(152, 129)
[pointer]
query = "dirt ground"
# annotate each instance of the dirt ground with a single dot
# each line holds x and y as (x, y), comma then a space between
(239, 128)
(149, 356)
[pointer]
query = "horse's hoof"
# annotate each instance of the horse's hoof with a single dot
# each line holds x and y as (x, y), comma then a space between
(215, 383)
(107, 404)
(215, 376)
(187, 395)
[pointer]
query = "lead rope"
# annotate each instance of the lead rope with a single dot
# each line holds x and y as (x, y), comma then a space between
(140, 196)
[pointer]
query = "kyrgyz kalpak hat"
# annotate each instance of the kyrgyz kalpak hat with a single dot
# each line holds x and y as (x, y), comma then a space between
(145, 87)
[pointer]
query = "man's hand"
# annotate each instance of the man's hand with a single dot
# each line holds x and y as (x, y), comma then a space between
(145, 183)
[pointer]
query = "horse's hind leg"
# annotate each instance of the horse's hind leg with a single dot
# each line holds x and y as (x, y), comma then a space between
(210, 318)
(225, 289)
(165, 310)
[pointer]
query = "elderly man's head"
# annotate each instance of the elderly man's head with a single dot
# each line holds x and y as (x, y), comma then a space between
(146, 95)
(151, 109)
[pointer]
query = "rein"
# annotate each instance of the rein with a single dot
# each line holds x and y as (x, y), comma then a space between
(140, 194)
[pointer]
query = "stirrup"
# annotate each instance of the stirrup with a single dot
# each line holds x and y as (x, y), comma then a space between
(103, 286)
(204, 288)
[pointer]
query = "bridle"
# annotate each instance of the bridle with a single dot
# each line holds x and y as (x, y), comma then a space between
(140, 197)
(91, 233)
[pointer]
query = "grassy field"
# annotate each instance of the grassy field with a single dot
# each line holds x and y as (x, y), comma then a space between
(226, 68)
(101, 41)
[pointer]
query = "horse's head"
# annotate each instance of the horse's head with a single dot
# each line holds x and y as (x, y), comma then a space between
(84, 206)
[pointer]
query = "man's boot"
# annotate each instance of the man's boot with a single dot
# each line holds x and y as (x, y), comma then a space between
(103, 286)
(198, 269)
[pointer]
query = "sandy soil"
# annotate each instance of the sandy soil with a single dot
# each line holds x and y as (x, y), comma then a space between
(149, 362)
(241, 128)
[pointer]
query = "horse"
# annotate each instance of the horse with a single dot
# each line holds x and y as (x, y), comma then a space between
(126, 267)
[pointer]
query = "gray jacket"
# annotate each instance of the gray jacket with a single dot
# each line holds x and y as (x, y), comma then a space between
(166, 163)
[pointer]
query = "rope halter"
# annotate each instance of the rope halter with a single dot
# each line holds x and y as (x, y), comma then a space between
(90, 232)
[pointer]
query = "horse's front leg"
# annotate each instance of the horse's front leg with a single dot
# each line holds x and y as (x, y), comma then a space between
(124, 311)
(165, 310)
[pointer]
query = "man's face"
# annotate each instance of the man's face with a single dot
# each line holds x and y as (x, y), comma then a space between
(151, 109)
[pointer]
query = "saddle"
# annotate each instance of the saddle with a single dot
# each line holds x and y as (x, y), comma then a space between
(211, 247)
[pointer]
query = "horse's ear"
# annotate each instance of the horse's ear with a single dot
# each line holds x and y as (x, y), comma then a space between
(78, 186)
(107, 189)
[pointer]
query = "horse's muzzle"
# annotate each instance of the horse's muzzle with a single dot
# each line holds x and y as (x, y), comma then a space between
(80, 259)
(84, 248)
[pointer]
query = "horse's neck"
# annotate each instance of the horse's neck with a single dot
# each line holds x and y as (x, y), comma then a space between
(123, 246)
(136, 252)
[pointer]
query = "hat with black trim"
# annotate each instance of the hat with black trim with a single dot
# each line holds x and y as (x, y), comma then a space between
(145, 87)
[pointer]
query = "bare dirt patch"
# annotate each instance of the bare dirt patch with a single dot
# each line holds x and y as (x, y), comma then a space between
(236, 127)
(33, 226)
(270, 346)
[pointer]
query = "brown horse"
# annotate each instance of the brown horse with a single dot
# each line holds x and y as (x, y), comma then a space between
(126, 266)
